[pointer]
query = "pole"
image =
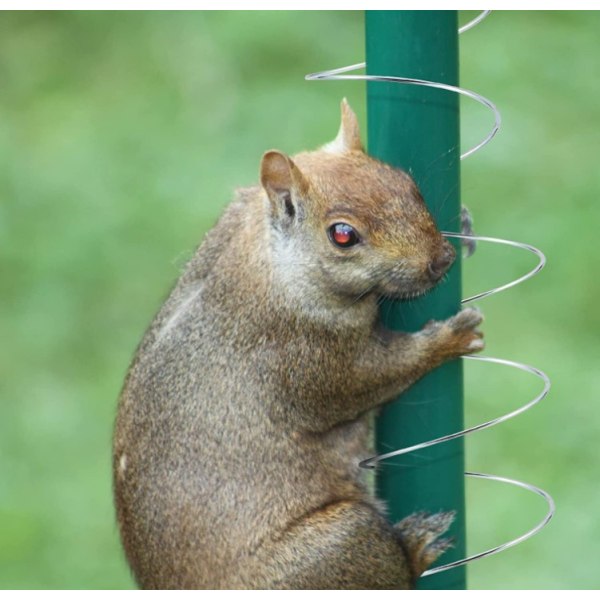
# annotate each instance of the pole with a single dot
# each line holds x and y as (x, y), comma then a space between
(417, 128)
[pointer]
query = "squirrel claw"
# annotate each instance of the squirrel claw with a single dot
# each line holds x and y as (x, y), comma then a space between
(467, 318)
(465, 337)
(420, 535)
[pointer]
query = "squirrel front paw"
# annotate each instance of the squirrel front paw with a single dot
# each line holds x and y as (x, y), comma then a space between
(459, 334)
(464, 326)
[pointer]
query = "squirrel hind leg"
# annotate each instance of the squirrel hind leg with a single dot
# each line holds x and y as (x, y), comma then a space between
(344, 545)
(419, 535)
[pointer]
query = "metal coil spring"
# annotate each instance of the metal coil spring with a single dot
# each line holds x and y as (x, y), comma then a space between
(342, 74)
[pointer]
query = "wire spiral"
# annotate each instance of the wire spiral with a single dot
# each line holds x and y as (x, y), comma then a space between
(343, 74)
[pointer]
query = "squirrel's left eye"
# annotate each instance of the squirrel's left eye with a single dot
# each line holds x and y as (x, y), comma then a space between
(343, 235)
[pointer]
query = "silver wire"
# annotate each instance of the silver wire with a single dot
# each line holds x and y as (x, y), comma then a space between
(369, 463)
(526, 486)
(514, 282)
(337, 74)
(480, 17)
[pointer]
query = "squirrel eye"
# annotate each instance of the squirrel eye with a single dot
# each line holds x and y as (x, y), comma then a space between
(343, 235)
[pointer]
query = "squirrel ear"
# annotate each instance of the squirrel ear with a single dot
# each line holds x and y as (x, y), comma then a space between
(348, 137)
(283, 182)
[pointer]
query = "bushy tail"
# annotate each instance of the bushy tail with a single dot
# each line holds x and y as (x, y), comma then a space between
(420, 533)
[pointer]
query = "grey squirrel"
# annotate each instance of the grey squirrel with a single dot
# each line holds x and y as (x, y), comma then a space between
(244, 414)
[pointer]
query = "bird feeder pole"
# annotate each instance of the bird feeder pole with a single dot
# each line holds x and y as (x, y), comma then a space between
(417, 129)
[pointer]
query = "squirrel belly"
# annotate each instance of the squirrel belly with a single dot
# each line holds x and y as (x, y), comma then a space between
(244, 414)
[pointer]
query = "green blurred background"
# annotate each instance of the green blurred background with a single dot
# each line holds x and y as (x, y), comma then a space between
(123, 136)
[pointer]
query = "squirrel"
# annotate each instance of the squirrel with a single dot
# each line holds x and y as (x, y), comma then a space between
(245, 412)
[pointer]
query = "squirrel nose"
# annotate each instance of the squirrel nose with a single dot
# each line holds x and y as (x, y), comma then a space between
(441, 263)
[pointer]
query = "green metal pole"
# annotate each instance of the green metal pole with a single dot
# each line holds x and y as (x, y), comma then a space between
(417, 128)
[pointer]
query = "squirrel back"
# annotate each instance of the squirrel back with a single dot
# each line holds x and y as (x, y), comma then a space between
(243, 416)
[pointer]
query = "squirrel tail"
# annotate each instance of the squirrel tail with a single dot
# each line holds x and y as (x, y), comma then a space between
(419, 534)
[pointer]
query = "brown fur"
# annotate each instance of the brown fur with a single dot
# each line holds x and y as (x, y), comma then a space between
(244, 414)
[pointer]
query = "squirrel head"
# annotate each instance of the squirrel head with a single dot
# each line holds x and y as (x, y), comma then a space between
(347, 225)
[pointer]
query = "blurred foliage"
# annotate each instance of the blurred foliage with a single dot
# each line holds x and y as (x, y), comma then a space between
(123, 135)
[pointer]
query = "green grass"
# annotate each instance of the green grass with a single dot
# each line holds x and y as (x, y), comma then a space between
(123, 135)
